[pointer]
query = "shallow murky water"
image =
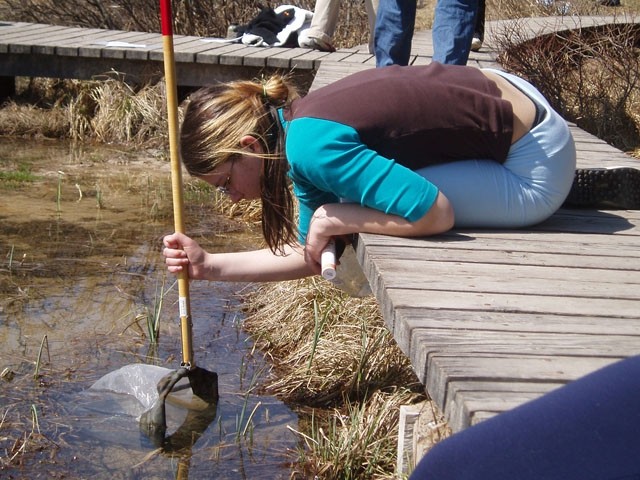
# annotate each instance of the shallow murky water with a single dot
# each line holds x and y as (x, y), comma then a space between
(80, 273)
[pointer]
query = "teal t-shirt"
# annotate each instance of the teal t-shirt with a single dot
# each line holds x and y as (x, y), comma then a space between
(329, 163)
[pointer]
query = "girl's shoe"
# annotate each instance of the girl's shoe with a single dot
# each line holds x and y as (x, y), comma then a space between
(606, 188)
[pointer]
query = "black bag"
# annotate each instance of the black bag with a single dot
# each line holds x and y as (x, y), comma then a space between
(275, 28)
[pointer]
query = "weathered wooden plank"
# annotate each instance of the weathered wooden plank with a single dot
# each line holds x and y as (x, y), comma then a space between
(411, 322)
(285, 57)
(364, 58)
(506, 369)
(511, 242)
(421, 60)
(443, 369)
(258, 58)
(507, 302)
(46, 44)
(331, 71)
(617, 223)
(510, 279)
(452, 257)
(426, 342)
(470, 321)
(8, 27)
(196, 45)
(214, 55)
(142, 39)
(470, 401)
(27, 31)
(180, 55)
(237, 56)
(341, 55)
(95, 47)
(29, 34)
(597, 149)
(70, 47)
(485, 251)
(394, 300)
(23, 42)
(309, 60)
(463, 407)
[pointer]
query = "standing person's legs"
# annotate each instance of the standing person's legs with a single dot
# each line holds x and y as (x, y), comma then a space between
(393, 33)
(585, 430)
(453, 28)
(371, 7)
(478, 34)
(323, 26)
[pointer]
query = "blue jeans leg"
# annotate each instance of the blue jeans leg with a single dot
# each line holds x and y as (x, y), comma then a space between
(453, 28)
(393, 33)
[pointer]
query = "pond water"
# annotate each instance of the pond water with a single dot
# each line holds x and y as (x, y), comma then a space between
(80, 274)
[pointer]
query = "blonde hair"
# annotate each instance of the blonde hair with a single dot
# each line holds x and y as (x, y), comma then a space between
(215, 120)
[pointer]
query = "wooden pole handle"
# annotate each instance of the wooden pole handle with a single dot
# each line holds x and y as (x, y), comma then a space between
(176, 175)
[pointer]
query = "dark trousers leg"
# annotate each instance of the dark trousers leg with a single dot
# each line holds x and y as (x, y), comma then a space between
(585, 430)
(479, 29)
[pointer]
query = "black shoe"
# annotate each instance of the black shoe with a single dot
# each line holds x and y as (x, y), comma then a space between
(606, 188)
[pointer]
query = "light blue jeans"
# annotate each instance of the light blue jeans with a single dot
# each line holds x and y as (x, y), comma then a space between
(393, 32)
(526, 189)
(453, 28)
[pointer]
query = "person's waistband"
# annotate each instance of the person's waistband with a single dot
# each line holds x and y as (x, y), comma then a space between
(541, 110)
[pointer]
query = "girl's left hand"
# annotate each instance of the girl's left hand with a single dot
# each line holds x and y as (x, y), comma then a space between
(317, 239)
(313, 251)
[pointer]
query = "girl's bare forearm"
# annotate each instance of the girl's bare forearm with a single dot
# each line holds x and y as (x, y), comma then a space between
(257, 266)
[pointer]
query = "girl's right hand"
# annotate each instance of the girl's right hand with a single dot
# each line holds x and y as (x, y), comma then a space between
(182, 252)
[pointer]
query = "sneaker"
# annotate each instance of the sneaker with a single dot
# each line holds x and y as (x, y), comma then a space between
(476, 44)
(315, 44)
(606, 188)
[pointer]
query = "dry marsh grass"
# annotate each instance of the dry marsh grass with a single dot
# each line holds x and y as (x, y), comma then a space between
(359, 442)
(106, 111)
(327, 346)
(338, 365)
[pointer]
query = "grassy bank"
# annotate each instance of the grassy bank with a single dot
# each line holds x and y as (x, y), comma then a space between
(338, 365)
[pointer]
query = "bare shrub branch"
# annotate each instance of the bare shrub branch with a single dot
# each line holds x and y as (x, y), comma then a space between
(590, 75)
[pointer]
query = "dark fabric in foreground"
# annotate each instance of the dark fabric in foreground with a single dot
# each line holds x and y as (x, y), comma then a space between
(586, 430)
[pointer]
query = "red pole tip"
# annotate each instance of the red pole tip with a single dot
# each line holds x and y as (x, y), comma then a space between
(165, 17)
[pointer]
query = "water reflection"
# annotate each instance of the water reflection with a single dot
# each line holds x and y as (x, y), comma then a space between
(80, 275)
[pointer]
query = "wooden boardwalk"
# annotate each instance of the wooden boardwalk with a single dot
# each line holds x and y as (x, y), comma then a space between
(489, 318)
(28, 49)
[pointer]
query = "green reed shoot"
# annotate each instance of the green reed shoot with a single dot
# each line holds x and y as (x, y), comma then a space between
(59, 192)
(319, 325)
(250, 420)
(99, 198)
(153, 319)
(44, 342)
(10, 255)
(243, 427)
(34, 418)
